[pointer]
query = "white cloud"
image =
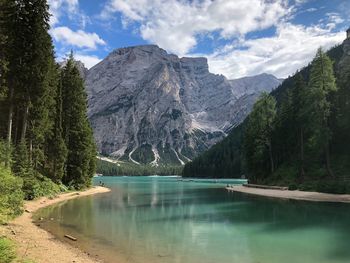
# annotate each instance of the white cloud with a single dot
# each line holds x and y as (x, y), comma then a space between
(89, 61)
(300, 2)
(334, 19)
(292, 48)
(174, 25)
(312, 9)
(79, 38)
(58, 7)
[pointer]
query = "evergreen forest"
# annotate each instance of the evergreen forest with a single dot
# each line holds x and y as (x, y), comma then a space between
(297, 136)
(46, 142)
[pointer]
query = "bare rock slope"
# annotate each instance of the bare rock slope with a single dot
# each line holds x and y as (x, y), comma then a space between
(148, 106)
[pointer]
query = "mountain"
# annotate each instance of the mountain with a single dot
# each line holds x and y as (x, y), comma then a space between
(148, 106)
(225, 158)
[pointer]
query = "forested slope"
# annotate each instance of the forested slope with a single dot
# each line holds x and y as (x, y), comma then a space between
(297, 136)
(46, 142)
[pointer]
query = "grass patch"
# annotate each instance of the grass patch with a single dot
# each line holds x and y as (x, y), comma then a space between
(7, 250)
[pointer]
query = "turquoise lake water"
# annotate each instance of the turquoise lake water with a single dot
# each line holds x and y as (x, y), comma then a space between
(162, 219)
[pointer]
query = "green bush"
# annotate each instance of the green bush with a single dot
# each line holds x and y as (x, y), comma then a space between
(37, 186)
(11, 195)
(333, 187)
(5, 153)
(292, 187)
(283, 176)
(7, 251)
(308, 186)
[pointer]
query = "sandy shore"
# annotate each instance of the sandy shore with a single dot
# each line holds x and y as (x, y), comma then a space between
(297, 195)
(37, 244)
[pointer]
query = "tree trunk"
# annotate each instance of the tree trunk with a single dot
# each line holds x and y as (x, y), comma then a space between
(10, 116)
(271, 158)
(328, 162)
(31, 152)
(24, 125)
(15, 139)
(302, 171)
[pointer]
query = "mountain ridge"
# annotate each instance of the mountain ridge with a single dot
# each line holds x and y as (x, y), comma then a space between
(148, 106)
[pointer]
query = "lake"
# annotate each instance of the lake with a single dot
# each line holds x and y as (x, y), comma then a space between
(163, 219)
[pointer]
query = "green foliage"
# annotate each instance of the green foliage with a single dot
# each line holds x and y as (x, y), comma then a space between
(167, 155)
(57, 150)
(21, 165)
(11, 195)
(7, 250)
(258, 138)
(143, 154)
(321, 84)
(45, 137)
(36, 185)
(3, 59)
(77, 133)
(309, 135)
(223, 160)
(126, 168)
(5, 153)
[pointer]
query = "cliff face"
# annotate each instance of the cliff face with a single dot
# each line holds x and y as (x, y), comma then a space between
(148, 106)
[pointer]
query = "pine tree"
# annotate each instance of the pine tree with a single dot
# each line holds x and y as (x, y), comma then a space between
(3, 58)
(301, 119)
(342, 112)
(3, 71)
(258, 137)
(284, 134)
(321, 85)
(8, 16)
(31, 89)
(41, 84)
(77, 132)
(56, 150)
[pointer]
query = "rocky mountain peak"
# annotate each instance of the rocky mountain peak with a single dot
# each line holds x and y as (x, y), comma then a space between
(148, 106)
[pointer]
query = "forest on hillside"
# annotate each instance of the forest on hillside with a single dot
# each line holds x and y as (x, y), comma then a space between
(46, 143)
(298, 136)
(127, 168)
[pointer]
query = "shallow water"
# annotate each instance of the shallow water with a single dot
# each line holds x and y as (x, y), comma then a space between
(157, 219)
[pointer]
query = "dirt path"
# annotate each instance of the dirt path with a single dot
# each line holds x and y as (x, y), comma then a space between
(37, 244)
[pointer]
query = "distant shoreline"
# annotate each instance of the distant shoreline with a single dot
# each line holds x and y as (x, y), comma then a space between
(294, 195)
(39, 245)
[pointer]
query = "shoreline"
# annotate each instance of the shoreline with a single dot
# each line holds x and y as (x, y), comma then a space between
(294, 195)
(39, 245)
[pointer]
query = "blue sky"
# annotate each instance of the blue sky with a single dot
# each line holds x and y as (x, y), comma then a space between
(239, 37)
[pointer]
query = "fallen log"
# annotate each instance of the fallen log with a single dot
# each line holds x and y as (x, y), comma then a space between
(70, 237)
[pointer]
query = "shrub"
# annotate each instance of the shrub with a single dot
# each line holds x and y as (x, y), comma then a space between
(7, 251)
(292, 187)
(11, 195)
(5, 153)
(333, 187)
(37, 186)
